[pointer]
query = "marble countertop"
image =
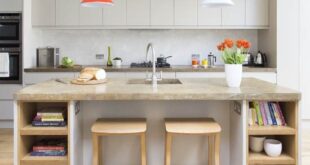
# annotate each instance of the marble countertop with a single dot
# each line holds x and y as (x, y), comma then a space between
(190, 89)
(177, 68)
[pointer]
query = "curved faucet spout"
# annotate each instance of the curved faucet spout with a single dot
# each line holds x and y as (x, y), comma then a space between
(154, 78)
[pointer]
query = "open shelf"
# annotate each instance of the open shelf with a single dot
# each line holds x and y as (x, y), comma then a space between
(31, 130)
(271, 130)
(46, 160)
(262, 158)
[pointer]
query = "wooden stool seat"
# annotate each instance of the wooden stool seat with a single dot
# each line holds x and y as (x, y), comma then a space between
(202, 126)
(106, 127)
(119, 126)
(192, 126)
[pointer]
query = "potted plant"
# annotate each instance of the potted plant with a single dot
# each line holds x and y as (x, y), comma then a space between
(118, 62)
(233, 55)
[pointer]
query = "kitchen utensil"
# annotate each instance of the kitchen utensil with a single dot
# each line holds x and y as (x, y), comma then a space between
(257, 143)
(47, 57)
(260, 59)
(249, 60)
(211, 60)
(273, 147)
(161, 59)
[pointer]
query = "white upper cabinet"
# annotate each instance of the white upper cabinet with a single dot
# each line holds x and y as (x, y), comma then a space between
(162, 12)
(43, 12)
(90, 16)
(208, 16)
(67, 12)
(115, 15)
(11, 5)
(138, 12)
(185, 12)
(257, 12)
(234, 15)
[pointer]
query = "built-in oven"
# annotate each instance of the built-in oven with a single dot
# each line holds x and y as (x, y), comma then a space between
(15, 64)
(10, 27)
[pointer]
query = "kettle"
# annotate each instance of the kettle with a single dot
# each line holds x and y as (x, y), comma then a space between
(260, 59)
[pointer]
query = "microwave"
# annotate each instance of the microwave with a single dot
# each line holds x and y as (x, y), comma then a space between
(10, 27)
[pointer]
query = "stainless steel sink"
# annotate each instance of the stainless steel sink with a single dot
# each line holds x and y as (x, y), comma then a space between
(164, 81)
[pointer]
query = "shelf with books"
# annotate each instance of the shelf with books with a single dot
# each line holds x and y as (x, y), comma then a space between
(262, 158)
(271, 130)
(31, 130)
(46, 160)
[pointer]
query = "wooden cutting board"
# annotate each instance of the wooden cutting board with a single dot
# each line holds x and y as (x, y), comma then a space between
(91, 82)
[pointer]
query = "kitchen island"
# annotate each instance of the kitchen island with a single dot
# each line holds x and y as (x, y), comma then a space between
(189, 98)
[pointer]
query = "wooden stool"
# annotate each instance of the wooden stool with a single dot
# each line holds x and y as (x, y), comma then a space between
(106, 127)
(206, 126)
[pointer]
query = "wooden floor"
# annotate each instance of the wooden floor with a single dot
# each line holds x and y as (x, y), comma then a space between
(6, 147)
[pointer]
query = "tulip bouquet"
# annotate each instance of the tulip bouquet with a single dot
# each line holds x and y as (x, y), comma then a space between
(234, 52)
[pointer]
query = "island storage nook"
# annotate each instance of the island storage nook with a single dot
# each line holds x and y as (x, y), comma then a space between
(193, 98)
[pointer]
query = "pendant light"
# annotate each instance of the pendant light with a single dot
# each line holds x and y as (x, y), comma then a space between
(96, 3)
(217, 3)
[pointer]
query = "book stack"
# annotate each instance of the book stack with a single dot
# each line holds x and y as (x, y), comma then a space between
(49, 118)
(49, 147)
(264, 113)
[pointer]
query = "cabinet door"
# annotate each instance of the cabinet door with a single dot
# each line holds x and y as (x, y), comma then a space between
(115, 15)
(90, 16)
(186, 12)
(208, 16)
(162, 12)
(138, 12)
(257, 12)
(43, 12)
(11, 5)
(67, 12)
(234, 15)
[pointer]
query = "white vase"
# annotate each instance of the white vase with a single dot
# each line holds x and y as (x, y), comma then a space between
(233, 75)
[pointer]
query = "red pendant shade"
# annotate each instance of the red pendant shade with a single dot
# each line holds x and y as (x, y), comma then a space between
(96, 3)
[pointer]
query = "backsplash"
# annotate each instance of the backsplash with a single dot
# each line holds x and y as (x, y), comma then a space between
(130, 45)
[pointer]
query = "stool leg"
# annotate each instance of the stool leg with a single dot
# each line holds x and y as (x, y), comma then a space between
(143, 149)
(100, 150)
(217, 149)
(168, 149)
(95, 149)
(211, 150)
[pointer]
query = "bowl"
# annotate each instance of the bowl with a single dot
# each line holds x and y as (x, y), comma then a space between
(257, 143)
(273, 148)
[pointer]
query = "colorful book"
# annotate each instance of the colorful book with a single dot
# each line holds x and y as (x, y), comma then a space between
(250, 118)
(259, 115)
(276, 113)
(49, 124)
(255, 121)
(262, 110)
(281, 114)
(48, 148)
(274, 121)
(50, 153)
(268, 113)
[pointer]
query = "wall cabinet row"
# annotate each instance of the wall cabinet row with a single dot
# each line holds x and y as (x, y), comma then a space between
(150, 13)
(11, 5)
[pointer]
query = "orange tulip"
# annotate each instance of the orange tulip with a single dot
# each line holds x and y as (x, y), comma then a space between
(229, 43)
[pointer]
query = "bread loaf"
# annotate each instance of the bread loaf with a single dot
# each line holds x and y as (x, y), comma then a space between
(93, 74)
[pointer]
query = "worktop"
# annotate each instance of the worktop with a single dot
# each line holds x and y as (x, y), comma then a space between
(176, 68)
(190, 89)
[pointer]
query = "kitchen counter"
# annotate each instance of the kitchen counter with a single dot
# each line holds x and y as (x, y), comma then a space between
(190, 89)
(177, 68)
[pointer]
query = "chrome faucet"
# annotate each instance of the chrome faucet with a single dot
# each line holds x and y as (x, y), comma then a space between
(154, 77)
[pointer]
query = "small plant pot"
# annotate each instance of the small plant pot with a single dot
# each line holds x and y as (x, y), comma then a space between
(257, 143)
(273, 148)
(118, 63)
(233, 75)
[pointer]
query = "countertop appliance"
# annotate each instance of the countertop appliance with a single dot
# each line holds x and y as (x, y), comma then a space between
(11, 45)
(211, 60)
(260, 59)
(48, 57)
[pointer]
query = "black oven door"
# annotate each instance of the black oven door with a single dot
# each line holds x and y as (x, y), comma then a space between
(14, 66)
(9, 30)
